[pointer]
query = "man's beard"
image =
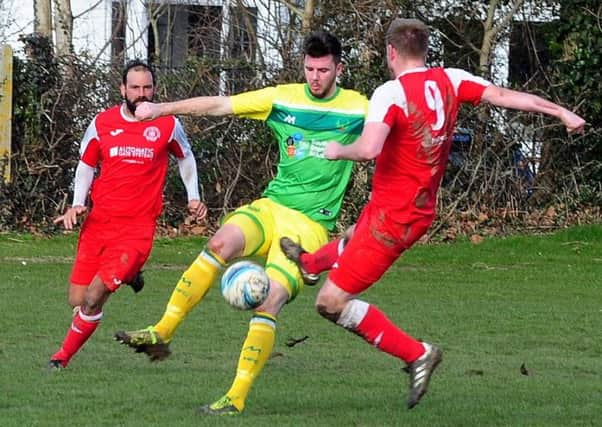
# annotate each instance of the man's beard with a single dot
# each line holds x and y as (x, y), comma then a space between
(325, 90)
(132, 105)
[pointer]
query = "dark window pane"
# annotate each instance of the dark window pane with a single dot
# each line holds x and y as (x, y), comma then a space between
(529, 53)
(118, 20)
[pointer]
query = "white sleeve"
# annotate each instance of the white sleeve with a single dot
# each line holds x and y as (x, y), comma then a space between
(188, 172)
(89, 135)
(457, 76)
(386, 95)
(179, 136)
(186, 164)
(84, 175)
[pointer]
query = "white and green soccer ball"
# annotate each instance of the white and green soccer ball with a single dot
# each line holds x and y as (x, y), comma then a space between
(245, 285)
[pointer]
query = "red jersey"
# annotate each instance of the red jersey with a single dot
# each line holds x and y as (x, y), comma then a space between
(133, 159)
(420, 106)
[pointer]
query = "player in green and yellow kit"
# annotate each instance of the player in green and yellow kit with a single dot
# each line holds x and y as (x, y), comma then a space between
(302, 202)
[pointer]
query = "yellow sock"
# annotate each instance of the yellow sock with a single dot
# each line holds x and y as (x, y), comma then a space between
(190, 290)
(255, 352)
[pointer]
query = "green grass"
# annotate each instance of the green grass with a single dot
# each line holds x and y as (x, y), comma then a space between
(491, 307)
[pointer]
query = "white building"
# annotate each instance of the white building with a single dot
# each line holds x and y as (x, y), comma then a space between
(109, 28)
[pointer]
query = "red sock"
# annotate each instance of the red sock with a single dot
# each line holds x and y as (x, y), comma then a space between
(378, 330)
(82, 327)
(323, 259)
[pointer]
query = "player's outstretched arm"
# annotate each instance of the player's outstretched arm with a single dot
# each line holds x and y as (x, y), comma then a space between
(199, 106)
(366, 147)
(509, 98)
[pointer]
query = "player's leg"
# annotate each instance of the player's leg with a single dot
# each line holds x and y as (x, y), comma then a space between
(337, 300)
(77, 294)
(84, 323)
(191, 288)
(117, 252)
(325, 258)
(238, 236)
(255, 352)
(86, 263)
(367, 321)
(83, 274)
(195, 282)
(312, 264)
(286, 283)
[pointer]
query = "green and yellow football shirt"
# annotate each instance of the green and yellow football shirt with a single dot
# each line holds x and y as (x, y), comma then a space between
(303, 125)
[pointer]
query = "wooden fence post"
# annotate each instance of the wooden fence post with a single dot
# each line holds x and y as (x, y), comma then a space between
(6, 96)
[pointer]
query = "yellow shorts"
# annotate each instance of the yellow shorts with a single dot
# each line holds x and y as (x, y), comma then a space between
(264, 222)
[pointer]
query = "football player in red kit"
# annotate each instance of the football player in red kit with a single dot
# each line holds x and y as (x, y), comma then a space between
(117, 235)
(408, 131)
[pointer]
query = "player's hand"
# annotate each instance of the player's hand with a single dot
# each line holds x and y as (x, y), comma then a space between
(147, 111)
(573, 122)
(197, 209)
(331, 151)
(69, 218)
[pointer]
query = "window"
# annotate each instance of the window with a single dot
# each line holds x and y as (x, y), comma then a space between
(180, 31)
(118, 20)
(529, 54)
(204, 31)
(457, 34)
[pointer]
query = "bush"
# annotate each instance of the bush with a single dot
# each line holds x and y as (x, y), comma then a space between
(489, 185)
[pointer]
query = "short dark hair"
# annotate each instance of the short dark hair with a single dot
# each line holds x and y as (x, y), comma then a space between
(320, 43)
(138, 65)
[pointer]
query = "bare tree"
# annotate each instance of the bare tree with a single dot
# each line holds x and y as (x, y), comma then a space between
(155, 11)
(43, 17)
(306, 14)
(492, 28)
(63, 18)
(6, 19)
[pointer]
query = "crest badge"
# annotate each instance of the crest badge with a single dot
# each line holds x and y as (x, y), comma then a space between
(151, 133)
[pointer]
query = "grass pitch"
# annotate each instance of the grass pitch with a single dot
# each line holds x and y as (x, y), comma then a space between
(518, 319)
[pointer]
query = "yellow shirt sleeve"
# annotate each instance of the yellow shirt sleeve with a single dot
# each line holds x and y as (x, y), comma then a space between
(256, 104)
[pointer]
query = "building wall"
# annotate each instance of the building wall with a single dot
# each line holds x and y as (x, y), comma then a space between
(92, 26)
(91, 30)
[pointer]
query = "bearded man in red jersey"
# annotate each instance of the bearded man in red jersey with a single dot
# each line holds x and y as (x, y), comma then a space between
(127, 195)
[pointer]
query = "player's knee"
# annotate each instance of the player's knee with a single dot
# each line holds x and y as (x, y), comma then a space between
(92, 305)
(331, 301)
(76, 298)
(75, 301)
(77, 295)
(326, 313)
(215, 245)
(222, 247)
(96, 295)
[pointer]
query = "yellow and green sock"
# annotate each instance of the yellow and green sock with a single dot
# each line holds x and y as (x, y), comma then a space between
(190, 290)
(256, 350)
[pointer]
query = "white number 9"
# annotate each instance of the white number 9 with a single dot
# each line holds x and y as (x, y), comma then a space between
(434, 101)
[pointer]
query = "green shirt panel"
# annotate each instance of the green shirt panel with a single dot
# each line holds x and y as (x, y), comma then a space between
(303, 125)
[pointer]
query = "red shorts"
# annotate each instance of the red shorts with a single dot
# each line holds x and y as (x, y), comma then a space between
(113, 250)
(377, 242)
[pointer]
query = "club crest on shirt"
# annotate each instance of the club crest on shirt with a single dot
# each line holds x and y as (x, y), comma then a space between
(151, 133)
(295, 146)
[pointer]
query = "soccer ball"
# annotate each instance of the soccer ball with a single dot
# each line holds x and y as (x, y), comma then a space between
(245, 285)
